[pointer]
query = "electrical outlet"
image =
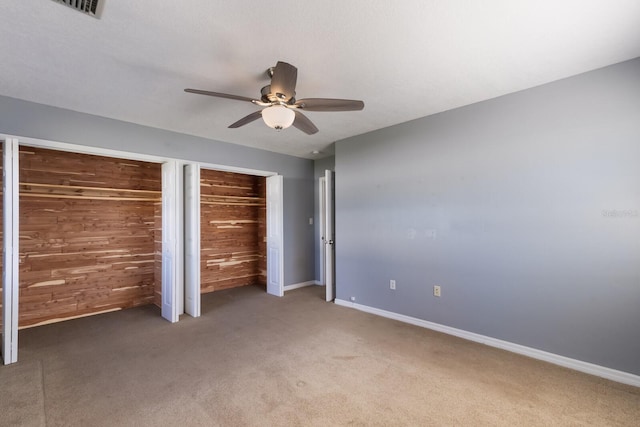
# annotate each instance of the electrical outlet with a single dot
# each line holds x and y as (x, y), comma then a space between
(392, 284)
(436, 291)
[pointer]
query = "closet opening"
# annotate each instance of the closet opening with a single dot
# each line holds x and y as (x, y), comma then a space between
(233, 230)
(90, 235)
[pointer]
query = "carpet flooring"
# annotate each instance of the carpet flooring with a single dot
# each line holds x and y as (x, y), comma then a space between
(257, 360)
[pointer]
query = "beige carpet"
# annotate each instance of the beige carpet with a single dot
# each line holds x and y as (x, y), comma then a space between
(257, 360)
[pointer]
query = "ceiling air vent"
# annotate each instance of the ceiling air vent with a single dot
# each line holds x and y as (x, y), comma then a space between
(90, 7)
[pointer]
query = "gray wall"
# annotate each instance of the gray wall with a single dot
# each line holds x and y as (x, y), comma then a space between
(27, 119)
(534, 199)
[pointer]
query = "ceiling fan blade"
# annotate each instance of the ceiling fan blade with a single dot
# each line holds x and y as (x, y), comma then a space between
(327, 104)
(283, 81)
(304, 124)
(219, 95)
(247, 119)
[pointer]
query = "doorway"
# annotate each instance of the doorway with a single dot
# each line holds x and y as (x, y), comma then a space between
(87, 234)
(233, 231)
(104, 219)
(327, 233)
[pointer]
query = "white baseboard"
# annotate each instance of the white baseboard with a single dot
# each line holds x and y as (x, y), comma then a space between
(578, 365)
(299, 285)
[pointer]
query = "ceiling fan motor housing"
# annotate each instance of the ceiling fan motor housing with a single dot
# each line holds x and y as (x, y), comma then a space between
(279, 98)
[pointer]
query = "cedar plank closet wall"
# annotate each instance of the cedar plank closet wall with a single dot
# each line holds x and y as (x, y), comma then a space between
(87, 234)
(233, 230)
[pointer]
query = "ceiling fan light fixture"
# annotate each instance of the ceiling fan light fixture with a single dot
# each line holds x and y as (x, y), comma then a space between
(278, 117)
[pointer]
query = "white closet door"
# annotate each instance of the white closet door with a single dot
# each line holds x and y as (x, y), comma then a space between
(10, 150)
(192, 239)
(171, 206)
(275, 256)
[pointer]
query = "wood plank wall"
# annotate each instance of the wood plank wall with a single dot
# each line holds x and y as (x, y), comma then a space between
(233, 230)
(87, 234)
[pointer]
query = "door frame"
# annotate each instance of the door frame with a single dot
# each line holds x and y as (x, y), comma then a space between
(11, 252)
(321, 228)
(10, 225)
(329, 237)
(195, 260)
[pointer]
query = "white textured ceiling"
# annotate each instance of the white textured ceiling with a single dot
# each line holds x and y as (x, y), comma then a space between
(405, 59)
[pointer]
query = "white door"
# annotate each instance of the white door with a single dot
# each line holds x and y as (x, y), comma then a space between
(321, 227)
(10, 190)
(275, 256)
(170, 240)
(329, 236)
(192, 239)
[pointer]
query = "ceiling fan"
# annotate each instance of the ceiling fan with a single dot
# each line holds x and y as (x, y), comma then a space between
(282, 109)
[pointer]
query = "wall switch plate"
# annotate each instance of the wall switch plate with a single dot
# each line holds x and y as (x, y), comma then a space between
(392, 284)
(436, 291)
(310, 221)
